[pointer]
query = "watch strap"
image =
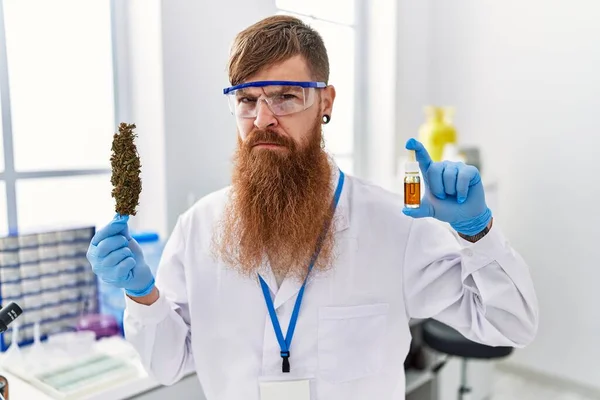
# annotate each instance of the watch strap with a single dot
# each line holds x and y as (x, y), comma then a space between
(476, 237)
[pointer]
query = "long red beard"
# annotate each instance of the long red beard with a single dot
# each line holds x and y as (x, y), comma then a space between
(280, 201)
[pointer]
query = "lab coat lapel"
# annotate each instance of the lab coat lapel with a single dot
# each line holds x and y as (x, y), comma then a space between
(269, 277)
(291, 285)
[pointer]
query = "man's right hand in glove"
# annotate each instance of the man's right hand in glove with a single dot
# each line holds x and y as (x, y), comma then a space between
(117, 259)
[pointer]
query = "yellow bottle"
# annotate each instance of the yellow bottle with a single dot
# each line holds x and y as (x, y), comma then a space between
(437, 131)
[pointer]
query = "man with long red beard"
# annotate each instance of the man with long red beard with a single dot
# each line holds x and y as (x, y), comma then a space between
(297, 281)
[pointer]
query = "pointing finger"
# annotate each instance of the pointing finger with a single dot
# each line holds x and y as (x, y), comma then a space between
(421, 154)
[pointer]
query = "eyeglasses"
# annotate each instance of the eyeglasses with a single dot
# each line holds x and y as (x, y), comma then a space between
(282, 97)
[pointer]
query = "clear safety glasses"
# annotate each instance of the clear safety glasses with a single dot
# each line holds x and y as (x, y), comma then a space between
(282, 97)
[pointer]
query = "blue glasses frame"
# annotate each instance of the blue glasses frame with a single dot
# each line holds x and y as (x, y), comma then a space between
(269, 83)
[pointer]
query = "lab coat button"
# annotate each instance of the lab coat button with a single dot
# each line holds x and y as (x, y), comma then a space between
(469, 252)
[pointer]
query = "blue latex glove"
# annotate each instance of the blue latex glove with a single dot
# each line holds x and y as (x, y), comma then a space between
(117, 259)
(453, 193)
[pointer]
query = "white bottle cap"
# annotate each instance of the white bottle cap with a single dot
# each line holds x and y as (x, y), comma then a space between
(411, 167)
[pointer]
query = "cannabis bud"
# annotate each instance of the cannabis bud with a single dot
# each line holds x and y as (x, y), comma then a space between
(125, 163)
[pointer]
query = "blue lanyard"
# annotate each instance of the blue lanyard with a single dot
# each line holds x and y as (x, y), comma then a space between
(284, 344)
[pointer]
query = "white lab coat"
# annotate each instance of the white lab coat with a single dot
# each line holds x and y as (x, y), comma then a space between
(352, 335)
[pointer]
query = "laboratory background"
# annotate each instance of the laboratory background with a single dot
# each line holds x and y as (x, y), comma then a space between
(511, 87)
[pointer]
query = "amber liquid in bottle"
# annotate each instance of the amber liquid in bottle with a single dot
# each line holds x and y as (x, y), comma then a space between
(412, 191)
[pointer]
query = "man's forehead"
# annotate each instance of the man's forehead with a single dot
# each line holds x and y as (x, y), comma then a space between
(292, 69)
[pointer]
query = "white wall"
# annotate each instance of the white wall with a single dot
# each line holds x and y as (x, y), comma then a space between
(524, 77)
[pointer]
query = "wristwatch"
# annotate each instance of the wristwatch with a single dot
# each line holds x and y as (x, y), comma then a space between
(477, 236)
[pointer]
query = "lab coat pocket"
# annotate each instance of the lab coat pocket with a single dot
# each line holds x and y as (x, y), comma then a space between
(351, 341)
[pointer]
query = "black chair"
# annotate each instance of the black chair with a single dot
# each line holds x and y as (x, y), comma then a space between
(446, 340)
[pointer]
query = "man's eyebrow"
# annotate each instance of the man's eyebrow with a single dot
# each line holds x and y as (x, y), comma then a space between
(251, 91)
(242, 92)
(276, 89)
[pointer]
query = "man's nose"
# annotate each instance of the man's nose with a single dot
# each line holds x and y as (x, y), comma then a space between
(264, 116)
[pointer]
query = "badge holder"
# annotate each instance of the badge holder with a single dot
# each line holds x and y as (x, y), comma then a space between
(285, 387)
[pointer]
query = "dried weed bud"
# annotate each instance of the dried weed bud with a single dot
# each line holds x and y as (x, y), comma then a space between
(125, 163)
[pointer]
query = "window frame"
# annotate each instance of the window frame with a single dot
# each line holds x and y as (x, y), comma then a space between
(9, 175)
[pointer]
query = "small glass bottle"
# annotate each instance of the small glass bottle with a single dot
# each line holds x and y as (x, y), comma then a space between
(412, 183)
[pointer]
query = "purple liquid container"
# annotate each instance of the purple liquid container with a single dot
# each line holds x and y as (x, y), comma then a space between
(101, 324)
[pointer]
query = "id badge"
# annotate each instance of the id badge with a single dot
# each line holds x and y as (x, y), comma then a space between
(284, 388)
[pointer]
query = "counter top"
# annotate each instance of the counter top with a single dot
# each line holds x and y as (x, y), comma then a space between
(21, 389)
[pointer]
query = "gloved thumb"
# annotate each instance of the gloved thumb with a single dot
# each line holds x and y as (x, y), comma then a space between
(124, 219)
(117, 225)
(424, 211)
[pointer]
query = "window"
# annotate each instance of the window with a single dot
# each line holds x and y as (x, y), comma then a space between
(335, 21)
(57, 86)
